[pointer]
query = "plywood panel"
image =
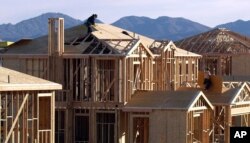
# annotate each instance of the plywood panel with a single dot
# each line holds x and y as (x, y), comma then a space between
(167, 126)
(216, 82)
(44, 113)
(176, 125)
(157, 132)
(241, 65)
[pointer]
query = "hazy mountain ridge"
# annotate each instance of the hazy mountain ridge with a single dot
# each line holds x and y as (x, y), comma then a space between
(34, 27)
(239, 26)
(163, 27)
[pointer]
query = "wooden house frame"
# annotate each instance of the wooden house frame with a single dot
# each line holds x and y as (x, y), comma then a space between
(99, 72)
(158, 116)
(27, 107)
(218, 48)
(174, 67)
(98, 75)
(232, 108)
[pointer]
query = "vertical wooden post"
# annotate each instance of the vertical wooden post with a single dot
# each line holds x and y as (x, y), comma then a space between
(93, 125)
(52, 108)
(177, 74)
(55, 48)
(183, 70)
(119, 71)
(196, 69)
(219, 65)
(117, 81)
(55, 66)
(190, 72)
(228, 123)
(93, 79)
(124, 80)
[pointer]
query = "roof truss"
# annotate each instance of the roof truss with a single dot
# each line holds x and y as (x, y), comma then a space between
(160, 45)
(243, 97)
(200, 103)
(216, 41)
(92, 45)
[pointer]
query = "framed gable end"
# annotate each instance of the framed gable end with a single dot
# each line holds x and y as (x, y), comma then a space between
(139, 50)
(200, 103)
(243, 96)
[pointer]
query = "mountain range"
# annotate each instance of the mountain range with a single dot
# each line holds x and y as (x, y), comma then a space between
(240, 26)
(34, 27)
(160, 28)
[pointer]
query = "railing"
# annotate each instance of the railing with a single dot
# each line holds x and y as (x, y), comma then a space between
(232, 84)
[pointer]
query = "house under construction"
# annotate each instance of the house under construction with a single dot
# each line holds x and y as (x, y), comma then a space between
(231, 107)
(99, 73)
(225, 52)
(27, 108)
(118, 86)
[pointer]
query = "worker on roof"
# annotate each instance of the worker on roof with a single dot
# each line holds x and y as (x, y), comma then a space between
(207, 79)
(90, 21)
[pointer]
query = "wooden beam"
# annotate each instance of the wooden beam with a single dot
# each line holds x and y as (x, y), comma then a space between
(25, 56)
(240, 110)
(228, 124)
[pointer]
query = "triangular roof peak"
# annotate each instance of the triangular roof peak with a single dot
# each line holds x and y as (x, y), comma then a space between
(200, 102)
(159, 46)
(243, 95)
(234, 96)
(137, 45)
(223, 29)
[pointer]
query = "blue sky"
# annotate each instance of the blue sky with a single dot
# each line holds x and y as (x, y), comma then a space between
(207, 12)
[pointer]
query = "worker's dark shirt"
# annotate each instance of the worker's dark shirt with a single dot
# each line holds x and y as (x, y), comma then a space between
(91, 20)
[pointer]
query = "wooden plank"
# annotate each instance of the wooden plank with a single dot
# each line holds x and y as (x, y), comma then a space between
(183, 70)
(124, 79)
(228, 120)
(190, 72)
(96, 105)
(61, 35)
(1, 101)
(240, 111)
(23, 56)
(92, 55)
(81, 80)
(177, 74)
(52, 120)
(25, 121)
(117, 77)
(216, 86)
(93, 76)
